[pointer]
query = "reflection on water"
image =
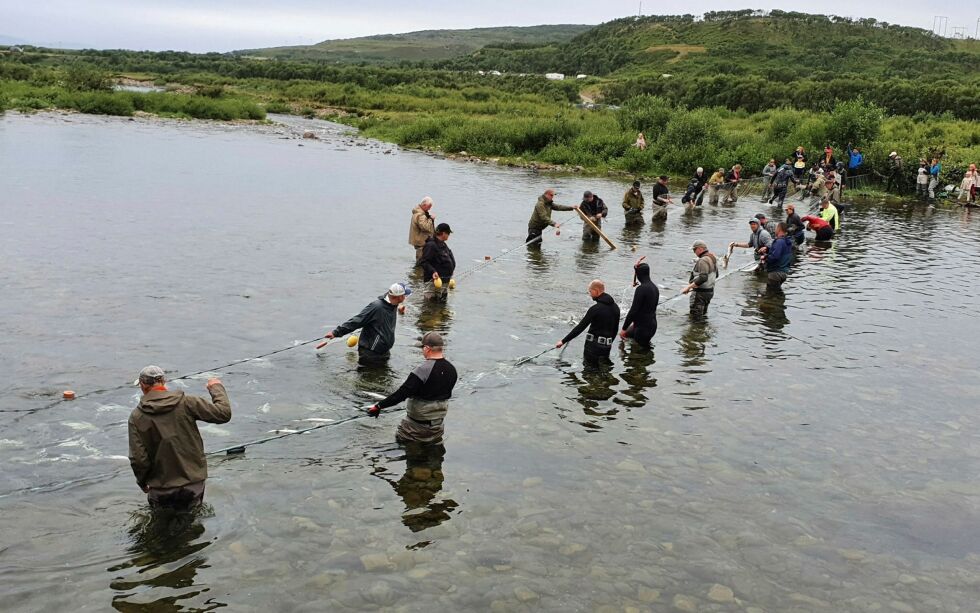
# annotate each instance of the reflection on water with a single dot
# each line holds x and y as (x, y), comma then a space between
(638, 375)
(166, 552)
(420, 485)
(595, 385)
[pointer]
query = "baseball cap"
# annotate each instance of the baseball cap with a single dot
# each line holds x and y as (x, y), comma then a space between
(760, 216)
(754, 220)
(150, 374)
(443, 227)
(399, 289)
(586, 194)
(664, 178)
(892, 154)
(432, 339)
(700, 244)
(636, 183)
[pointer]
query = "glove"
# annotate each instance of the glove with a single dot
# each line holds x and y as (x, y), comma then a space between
(374, 410)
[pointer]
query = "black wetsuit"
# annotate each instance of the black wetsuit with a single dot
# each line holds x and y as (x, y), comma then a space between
(602, 318)
(641, 320)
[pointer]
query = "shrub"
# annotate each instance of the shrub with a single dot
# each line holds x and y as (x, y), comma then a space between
(647, 114)
(86, 78)
(855, 121)
(211, 91)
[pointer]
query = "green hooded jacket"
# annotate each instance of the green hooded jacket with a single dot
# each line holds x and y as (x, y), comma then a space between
(541, 217)
(165, 446)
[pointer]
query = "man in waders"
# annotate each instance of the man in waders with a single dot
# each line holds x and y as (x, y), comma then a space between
(602, 318)
(703, 279)
(661, 198)
(595, 209)
(794, 225)
(165, 446)
(422, 227)
(780, 182)
(377, 324)
(758, 240)
(778, 258)
(428, 390)
(439, 263)
(641, 320)
(541, 216)
(633, 204)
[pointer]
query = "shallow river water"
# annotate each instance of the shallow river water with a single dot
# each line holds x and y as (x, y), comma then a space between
(817, 452)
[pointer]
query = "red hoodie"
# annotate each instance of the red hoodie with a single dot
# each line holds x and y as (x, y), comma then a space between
(815, 222)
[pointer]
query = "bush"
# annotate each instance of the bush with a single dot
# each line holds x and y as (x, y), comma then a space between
(855, 121)
(211, 91)
(85, 78)
(647, 114)
(97, 103)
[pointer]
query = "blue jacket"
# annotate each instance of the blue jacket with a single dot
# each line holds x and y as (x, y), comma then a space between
(780, 255)
(934, 170)
(856, 159)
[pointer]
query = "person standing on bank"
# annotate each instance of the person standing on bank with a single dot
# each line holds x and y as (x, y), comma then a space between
(438, 264)
(633, 204)
(703, 279)
(422, 227)
(602, 318)
(428, 390)
(595, 209)
(661, 198)
(641, 320)
(541, 216)
(377, 324)
(165, 447)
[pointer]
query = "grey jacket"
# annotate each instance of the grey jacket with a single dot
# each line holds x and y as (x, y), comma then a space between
(760, 238)
(377, 324)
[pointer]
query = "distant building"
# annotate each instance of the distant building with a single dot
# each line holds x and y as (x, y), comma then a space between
(555, 76)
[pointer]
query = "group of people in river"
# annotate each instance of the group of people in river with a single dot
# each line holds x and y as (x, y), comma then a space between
(166, 449)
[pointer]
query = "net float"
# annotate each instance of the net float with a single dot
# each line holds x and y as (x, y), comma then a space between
(352, 340)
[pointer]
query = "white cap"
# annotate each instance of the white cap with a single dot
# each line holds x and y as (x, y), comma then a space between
(700, 169)
(399, 289)
(150, 374)
(892, 154)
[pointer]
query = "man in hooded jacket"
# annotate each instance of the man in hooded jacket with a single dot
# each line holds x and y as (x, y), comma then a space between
(602, 319)
(165, 447)
(641, 320)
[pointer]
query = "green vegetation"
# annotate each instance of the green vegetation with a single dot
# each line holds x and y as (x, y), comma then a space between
(717, 108)
(420, 46)
(739, 60)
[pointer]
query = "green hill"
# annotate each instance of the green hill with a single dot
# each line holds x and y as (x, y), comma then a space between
(750, 60)
(425, 45)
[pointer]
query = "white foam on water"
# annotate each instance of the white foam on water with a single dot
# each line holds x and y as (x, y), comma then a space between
(265, 408)
(283, 431)
(120, 458)
(213, 429)
(7, 443)
(79, 425)
(105, 408)
(515, 337)
(316, 419)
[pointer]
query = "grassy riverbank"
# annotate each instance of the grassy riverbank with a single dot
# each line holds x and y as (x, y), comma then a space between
(528, 120)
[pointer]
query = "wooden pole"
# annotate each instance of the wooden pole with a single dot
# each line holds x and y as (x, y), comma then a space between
(586, 219)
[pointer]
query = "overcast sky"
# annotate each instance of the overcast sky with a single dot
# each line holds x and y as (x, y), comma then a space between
(224, 25)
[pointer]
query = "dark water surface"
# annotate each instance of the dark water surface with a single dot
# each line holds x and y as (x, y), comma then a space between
(817, 452)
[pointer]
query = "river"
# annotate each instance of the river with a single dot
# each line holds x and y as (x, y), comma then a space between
(817, 451)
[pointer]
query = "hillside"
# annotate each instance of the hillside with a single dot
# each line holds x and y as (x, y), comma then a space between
(751, 60)
(425, 45)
